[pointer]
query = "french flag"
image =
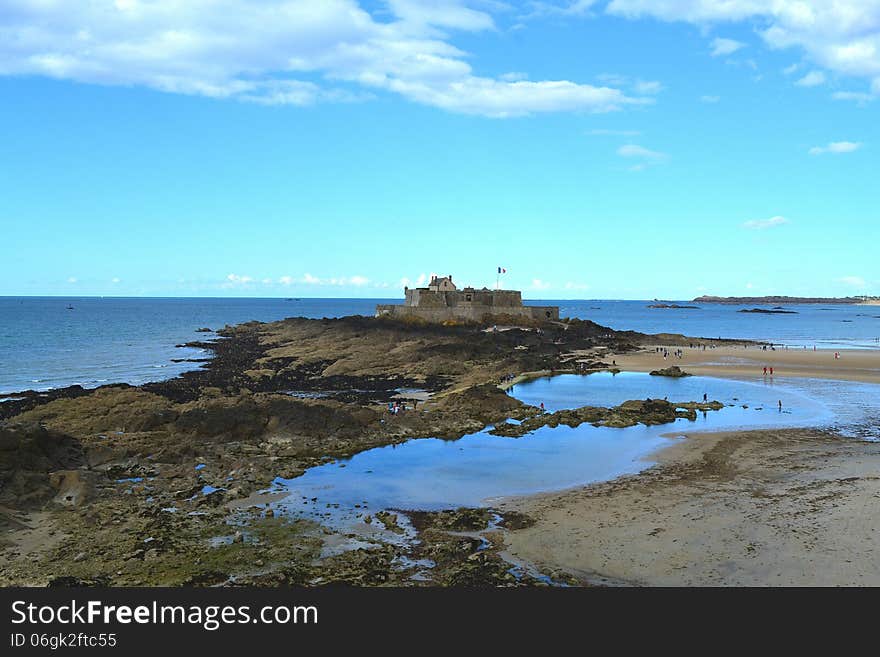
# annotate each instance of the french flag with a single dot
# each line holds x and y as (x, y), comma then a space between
(502, 270)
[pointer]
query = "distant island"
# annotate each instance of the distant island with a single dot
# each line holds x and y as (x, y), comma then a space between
(775, 311)
(672, 305)
(776, 300)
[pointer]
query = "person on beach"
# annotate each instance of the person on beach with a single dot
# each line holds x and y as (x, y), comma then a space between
(765, 371)
(771, 371)
(705, 397)
(542, 407)
(780, 405)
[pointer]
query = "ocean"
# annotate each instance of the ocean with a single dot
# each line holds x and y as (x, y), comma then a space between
(52, 342)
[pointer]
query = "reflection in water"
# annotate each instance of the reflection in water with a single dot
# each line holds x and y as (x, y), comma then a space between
(432, 474)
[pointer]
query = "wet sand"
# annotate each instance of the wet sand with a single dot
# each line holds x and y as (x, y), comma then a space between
(784, 507)
(748, 362)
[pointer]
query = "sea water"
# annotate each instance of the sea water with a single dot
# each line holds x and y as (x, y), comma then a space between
(51, 342)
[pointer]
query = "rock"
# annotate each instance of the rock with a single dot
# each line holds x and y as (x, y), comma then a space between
(764, 311)
(75, 487)
(673, 306)
(28, 453)
(97, 455)
(390, 521)
(629, 413)
(81, 556)
(675, 371)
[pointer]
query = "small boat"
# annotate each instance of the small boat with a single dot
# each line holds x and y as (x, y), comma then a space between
(69, 307)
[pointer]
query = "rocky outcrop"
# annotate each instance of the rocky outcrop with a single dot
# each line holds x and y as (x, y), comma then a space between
(673, 306)
(765, 311)
(629, 413)
(674, 371)
(75, 487)
(28, 454)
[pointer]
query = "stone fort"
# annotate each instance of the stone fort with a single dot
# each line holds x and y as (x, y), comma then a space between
(443, 301)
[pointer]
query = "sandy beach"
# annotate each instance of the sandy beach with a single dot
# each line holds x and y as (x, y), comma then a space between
(748, 362)
(752, 508)
(788, 507)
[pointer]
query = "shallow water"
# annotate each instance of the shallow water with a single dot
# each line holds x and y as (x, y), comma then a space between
(432, 474)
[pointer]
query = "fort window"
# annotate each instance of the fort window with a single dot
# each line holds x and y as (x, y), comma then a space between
(547, 313)
(467, 297)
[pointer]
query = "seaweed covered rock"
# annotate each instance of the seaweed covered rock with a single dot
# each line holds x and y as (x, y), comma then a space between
(674, 371)
(28, 454)
(486, 402)
(629, 413)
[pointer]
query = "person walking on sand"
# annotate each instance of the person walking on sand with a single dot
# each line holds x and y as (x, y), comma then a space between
(542, 407)
(765, 371)
(771, 371)
(780, 405)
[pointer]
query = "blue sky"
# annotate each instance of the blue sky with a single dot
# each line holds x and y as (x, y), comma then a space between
(623, 149)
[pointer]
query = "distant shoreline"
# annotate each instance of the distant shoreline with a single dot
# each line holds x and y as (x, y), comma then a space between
(857, 301)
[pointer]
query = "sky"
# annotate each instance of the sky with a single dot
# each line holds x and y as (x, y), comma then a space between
(626, 149)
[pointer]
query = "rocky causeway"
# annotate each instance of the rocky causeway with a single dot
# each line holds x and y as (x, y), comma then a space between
(161, 483)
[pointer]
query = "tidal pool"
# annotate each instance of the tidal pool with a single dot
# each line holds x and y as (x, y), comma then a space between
(433, 474)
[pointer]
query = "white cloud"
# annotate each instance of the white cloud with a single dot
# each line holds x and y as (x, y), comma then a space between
(514, 76)
(538, 284)
(853, 281)
(115, 280)
(339, 281)
(646, 156)
(421, 280)
(789, 70)
(836, 147)
(497, 99)
(283, 52)
(709, 99)
(573, 8)
(842, 36)
(761, 224)
(722, 47)
(858, 96)
(234, 280)
(647, 87)
(72, 279)
(695, 11)
(266, 281)
(636, 85)
(632, 150)
(812, 79)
